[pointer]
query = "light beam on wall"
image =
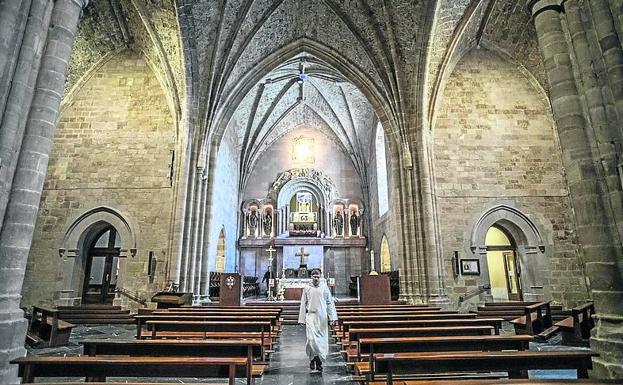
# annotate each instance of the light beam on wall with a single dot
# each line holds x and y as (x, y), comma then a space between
(303, 150)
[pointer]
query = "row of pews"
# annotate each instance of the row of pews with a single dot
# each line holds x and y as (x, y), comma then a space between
(399, 344)
(197, 342)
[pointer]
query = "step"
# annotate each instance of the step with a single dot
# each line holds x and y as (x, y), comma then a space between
(65, 316)
(100, 321)
(90, 306)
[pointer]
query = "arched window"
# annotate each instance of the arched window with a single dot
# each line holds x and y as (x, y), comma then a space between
(381, 170)
(386, 259)
(220, 252)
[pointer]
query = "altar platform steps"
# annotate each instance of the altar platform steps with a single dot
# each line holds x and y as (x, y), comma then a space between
(95, 314)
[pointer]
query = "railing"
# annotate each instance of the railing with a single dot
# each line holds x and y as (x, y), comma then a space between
(477, 291)
(133, 297)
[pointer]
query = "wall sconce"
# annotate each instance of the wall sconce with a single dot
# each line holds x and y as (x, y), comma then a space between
(455, 263)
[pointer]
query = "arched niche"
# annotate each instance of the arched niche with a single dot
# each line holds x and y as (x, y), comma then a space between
(73, 248)
(386, 258)
(529, 243)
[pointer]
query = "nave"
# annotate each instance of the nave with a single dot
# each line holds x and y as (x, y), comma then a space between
(165, 334)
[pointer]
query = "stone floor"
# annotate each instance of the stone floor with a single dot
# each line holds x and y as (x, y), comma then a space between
(288, 366)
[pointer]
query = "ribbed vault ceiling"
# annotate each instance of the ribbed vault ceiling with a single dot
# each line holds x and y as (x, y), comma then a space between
(280, 103)
(235, 61)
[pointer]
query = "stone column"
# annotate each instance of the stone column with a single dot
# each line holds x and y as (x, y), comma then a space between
(21, 214)
(186, 250)
(600, 247)
(13, 17)
(20, 94)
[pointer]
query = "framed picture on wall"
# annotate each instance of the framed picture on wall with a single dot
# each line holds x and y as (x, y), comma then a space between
(470, 267)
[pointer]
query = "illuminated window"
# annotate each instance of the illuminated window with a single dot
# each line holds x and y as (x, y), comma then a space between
(303, 150)
(381, 171)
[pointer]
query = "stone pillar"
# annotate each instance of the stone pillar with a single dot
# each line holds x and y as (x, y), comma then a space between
(21, 214)
(184, 257)
(600, 246)
(13, 17)
(20, 93)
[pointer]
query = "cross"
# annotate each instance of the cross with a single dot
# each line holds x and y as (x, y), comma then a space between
(302, 254)
(270, 253)
(270, 250)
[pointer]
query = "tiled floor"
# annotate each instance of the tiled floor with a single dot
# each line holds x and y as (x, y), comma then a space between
(288, 366)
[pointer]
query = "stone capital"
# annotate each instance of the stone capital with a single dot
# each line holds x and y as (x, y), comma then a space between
(537, 6)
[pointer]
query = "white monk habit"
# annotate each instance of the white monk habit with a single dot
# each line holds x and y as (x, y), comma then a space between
(317, 308)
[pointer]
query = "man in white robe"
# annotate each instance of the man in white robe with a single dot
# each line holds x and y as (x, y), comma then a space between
(317, 308)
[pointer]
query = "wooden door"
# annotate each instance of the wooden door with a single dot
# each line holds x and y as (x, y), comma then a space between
(513, 284)
(101, 270)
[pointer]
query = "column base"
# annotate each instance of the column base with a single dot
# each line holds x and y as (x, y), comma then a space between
(12, 338)
(607, 340)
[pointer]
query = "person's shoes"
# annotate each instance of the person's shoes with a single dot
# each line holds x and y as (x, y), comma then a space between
(312, 364)
(318, 364)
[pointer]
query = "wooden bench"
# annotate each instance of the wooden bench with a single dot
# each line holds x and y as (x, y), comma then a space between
(504, 382)
(537, 320)
(262, 327)
(579, 325)
(142, 320)
(515, 363)
(494, 322)
(98, 368)
(46, 329)
(370, 346)
(249, 348)
(350, 347)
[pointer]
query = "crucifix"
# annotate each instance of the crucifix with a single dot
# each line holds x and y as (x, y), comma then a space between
(270, 250)
(302, 254)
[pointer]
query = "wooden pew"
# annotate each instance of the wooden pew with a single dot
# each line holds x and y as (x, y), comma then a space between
(515, 363)
(249, 348)
(98, 368)
(494, 322)
(579, 325)
(142, 320)
(46, 329)
(206, 327)
(369, 346)
(506, 382)
(350, 347)
(537, 319)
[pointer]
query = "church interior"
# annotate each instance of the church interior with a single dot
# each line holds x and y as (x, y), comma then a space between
(453, 167)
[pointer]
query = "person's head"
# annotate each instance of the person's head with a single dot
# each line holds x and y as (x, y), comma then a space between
(315, 276)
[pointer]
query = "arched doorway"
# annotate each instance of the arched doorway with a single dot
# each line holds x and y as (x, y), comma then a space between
(386, 259)
(101, 266)
(220, 253)
(503, 265)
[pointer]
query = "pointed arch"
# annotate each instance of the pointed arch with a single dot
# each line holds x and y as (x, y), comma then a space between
(386, 257)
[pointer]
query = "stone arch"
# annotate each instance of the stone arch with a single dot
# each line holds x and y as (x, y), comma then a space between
(79, 234)
(529, 243)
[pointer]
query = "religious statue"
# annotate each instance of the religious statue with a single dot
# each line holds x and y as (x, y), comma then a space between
(268, 223)
(253, 219)
(354, 223)
(338, 223)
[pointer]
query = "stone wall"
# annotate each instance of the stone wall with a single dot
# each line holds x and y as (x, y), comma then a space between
(380, 224)
(225, 206)
(113, 148)
(329, 158)
(494, 143)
